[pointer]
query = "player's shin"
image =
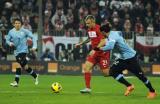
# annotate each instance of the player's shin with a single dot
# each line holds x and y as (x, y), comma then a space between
(87, 77)
(31, 72)
(120, 78)
(146, 82)
(17, 76)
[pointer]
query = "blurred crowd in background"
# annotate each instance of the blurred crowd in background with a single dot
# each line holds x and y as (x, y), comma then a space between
(65, 17)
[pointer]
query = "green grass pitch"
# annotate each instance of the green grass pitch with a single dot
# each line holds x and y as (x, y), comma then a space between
(105, 90)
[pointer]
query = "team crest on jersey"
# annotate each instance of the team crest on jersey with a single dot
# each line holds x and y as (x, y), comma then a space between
(92, 34)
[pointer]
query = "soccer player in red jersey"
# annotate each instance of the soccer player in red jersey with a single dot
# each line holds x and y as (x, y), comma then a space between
(101, 58)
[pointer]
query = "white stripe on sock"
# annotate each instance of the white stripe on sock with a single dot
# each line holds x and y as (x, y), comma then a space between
(31, 72)
(119, 76)
(17, 76)
(147, 82)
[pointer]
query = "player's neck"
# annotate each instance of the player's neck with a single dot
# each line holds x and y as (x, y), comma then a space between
(93, 25)
(17, 29)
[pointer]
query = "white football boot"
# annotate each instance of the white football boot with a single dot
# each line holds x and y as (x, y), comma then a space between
(36, 80)
(14, 84)
(85, 90)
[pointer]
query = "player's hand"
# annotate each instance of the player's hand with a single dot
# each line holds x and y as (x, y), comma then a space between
(92, 52)
(77, 45)
(11, 44)
(33, 49)
(96, 49)
(101, 48)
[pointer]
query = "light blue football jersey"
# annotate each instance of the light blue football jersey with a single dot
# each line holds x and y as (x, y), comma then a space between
(115, 40)
(19, 39)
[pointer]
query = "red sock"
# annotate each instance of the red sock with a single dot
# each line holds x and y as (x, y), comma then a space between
(87, 77)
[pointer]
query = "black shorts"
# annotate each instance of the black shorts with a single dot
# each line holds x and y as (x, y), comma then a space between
(21, 59)
(131, 65)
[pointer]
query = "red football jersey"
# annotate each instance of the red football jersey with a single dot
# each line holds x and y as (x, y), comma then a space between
(95, 35)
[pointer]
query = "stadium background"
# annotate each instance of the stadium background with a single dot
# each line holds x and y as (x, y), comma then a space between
(58, 25)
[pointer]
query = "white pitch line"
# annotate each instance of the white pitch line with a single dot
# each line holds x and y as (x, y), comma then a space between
(37, 92)
(129, 77)
(19, 92)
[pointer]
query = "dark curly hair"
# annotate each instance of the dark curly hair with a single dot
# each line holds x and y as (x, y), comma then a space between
(106, 28)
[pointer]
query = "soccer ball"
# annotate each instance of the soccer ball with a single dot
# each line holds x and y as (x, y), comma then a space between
(56, 87)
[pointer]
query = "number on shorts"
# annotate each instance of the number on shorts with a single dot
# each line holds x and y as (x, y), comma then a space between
(104, 62)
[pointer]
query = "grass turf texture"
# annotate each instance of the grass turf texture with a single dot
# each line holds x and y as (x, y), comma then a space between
(105, 90)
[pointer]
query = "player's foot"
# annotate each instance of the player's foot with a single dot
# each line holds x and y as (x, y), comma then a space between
(151, 95)
(129, 90)
(36, 80)
(14, 84)
(85, 90)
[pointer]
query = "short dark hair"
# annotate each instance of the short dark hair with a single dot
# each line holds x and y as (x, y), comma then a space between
(89, 17)
(17, 19)
(106, 28)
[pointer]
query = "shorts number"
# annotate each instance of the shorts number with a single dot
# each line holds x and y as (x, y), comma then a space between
(104, 62)
(116, 62)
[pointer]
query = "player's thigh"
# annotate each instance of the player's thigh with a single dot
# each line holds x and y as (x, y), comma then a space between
(104, 62)
(134, 67)
(21, 59)
(88, 66)
(91, 60)
(118, 66)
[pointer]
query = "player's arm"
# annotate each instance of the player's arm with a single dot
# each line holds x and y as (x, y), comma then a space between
(109, 45)
(82, 43)
(8, 39)
(29, 34)
(102, 43)
(112, 38)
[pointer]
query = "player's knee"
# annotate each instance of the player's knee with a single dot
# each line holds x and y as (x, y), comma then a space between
(18, 71)
(105, 72)
(88, 67)
(113, 73)
(25, 67)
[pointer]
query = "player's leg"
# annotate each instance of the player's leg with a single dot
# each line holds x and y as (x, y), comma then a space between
(105, 72)
(87, 77)
(18, 72)
(116, 72)
(24, 64)
(90, 62)
(135, 68)
(104, 63)
(32, 73)
(17, 77)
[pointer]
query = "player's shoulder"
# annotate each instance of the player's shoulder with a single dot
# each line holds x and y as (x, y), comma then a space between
(97, 26)
(114, 33)
(11, 30)
(23, 29)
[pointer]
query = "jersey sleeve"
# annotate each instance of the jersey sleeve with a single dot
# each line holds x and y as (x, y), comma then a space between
(110, 42)
(30, 35)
